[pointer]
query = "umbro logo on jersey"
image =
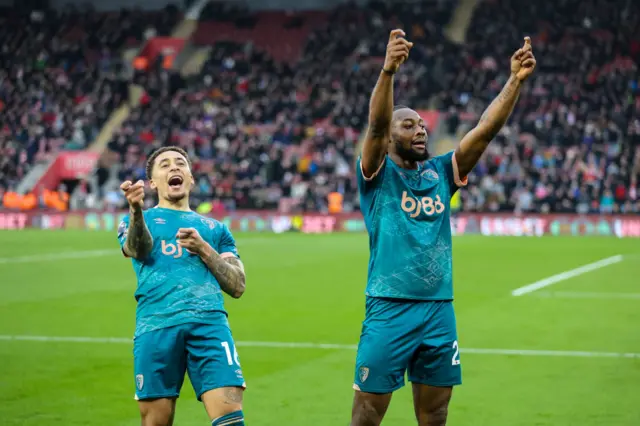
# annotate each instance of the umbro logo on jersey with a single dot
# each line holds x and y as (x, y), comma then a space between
(159, 221)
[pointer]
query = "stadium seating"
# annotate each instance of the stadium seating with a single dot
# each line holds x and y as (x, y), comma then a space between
(274, 115)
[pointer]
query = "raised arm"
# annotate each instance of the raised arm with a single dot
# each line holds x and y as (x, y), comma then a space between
(226, 267)
(138, 243)
(381, 105)
(474, 143)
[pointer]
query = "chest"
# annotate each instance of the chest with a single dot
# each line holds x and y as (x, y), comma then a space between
(420, 195)
(165, 234)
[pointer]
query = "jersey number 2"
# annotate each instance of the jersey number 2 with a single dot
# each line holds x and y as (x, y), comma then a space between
(227, 349)
(455, 360)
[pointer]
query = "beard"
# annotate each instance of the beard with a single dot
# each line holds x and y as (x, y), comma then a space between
(410, 154)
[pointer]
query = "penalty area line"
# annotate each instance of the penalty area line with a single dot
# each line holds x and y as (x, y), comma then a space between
(326, 346)
(546, 282)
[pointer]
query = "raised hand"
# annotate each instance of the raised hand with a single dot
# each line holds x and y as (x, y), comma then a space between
(397, 51)
(523, 62)
(134, 193)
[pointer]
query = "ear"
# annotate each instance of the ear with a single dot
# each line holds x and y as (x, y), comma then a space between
(152, 185)
(193, 181)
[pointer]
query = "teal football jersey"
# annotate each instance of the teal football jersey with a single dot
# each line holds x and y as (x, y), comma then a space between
(174, 286)
(406, 213)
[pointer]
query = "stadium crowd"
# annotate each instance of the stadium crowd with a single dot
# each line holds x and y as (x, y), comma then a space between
(269, 134)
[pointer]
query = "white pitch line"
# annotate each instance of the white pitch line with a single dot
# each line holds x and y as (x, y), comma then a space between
(567, 275)
(57, 256)
(303, 345)
(587, 295)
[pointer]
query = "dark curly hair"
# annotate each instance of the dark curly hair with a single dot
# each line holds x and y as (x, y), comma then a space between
(152, 158)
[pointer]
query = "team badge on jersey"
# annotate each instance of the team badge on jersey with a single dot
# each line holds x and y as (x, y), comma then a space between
(363, 373)
(430, 174)
(139, 381)
(208, 222)
(122, 229)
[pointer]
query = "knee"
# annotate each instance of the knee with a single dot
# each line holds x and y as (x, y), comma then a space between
(366, 413)
(433, 415)
(156, 415)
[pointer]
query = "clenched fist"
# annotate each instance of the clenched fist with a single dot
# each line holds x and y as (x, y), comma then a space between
(134, 193)
(397, 51)
(523, 62)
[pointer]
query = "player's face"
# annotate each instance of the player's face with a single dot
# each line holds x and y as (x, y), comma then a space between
(171, 176)
(409, 135)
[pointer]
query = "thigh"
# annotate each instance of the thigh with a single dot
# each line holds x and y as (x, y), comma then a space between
(212, 358)
(437, 363)
(159, 363)
(390, 336)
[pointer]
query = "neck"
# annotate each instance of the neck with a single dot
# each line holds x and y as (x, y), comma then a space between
(405, 164)
(181, 204)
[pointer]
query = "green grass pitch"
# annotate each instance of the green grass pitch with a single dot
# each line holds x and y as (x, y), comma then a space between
(310, 289)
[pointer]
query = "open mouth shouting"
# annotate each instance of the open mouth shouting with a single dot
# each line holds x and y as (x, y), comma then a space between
(175, 182)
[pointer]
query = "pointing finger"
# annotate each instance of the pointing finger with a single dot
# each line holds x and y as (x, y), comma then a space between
(125, 185)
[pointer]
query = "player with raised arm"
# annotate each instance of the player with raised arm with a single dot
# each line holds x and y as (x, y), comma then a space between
(183, 263)
(409, 322)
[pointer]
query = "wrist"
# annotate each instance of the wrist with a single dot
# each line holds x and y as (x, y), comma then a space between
(514, 78)
(388, 71)
(205, 250)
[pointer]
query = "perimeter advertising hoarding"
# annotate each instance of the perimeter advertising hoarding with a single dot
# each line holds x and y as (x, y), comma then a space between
(261, 221)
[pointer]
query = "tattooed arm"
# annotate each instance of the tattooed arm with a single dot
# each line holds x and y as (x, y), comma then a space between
(228, 270)
(496, 115)
(226, 267)
(139, 241)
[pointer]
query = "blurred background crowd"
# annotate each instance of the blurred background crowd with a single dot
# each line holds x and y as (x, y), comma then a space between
(271, 105)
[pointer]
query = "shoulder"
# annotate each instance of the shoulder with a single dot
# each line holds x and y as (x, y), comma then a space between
(365, 182)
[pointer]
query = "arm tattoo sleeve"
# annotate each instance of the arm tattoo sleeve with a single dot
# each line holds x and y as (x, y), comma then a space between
(497, 113)
(228, 271)
(139, 241)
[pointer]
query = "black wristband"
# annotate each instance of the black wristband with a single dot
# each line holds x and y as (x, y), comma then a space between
(387, 71)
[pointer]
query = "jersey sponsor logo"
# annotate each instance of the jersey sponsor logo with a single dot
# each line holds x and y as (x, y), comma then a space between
(170, 249)
(139, 381)
(363, 373)
(427, 205)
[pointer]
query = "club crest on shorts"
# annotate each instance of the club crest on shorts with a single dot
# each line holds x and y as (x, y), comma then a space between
(363, 373)
(139, 381)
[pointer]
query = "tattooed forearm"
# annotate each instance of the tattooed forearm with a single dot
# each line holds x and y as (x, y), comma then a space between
(494, 117)
(476, 141)
(228, 271)
(139, 241)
